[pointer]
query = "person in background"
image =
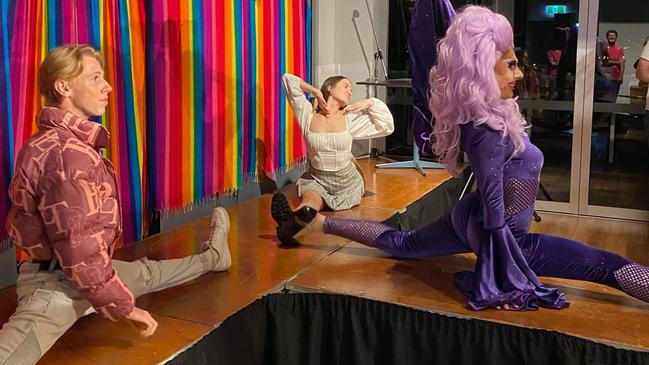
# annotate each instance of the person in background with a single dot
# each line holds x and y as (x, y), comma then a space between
(614, 61)
(529, 87)
(554, 57)
(642, 73)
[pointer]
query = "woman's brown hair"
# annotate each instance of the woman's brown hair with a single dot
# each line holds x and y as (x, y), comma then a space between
(329, 84)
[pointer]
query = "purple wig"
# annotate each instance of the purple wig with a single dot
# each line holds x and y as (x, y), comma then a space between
(463, 87)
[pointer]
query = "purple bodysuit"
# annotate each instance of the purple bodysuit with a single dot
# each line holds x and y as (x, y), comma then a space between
(493, 222)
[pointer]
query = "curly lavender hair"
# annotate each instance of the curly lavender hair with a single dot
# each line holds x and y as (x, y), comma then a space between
(463, 88)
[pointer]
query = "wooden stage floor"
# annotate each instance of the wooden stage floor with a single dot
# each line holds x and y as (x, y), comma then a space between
(597, 313)
(329, 264)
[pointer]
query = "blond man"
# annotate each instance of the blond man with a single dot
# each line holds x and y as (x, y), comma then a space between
(66, 215)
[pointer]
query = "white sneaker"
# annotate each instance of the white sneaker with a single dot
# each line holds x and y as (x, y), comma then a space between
(218, 239)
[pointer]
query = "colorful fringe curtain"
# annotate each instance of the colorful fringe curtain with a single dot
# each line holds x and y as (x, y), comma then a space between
(220, 116)
(6, 125)
(122, 24)
(196, 108)
(117, 29)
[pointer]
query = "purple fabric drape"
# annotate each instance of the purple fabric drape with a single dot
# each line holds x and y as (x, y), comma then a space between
(428, 23)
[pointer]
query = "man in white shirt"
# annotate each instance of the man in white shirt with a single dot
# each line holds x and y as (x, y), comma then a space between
(642, 73)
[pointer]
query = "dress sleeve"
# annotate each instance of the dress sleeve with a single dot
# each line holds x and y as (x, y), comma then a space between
(502, 274)
(302, 108)
(374, 122)
(487, 153)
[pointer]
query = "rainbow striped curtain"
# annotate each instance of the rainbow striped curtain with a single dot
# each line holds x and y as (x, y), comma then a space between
(33, 27)
(123, 35)
(217, 114)
(6, 125)
(197, 108)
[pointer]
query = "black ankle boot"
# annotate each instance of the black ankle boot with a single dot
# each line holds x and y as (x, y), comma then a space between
(293, 224)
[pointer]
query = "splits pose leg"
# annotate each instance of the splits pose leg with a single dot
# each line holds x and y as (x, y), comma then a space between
(48, 307)
(546, 255)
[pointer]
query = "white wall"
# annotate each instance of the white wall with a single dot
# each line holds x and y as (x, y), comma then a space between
(343, 44)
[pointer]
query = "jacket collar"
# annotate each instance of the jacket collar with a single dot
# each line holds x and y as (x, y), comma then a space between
(91, 133)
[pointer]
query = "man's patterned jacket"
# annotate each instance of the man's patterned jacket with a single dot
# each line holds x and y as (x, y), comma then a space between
(66, 205)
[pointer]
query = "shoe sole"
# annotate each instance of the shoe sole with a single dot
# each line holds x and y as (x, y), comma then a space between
(280, 209)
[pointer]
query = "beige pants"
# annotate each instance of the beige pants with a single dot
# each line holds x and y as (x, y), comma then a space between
(47, 306)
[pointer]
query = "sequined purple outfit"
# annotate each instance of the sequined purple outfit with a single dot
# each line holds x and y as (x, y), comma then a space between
(493, 222)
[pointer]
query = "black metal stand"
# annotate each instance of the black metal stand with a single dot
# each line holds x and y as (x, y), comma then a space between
(378, 56)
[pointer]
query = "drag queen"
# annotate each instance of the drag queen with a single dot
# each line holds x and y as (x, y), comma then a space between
(472, 100)
(328, 127)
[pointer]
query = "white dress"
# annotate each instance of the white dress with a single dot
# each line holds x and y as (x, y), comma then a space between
(332, 173)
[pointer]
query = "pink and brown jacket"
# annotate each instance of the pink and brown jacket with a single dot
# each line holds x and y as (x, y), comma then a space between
(66, 204)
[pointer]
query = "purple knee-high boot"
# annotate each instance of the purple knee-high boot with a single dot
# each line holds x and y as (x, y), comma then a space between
(435, 239)
(634, 280)
(364, 232)
(564, 258)
(546, 255)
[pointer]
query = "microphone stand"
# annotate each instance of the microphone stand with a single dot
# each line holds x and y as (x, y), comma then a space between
(378, 56)
(415, 163)
(379, 53)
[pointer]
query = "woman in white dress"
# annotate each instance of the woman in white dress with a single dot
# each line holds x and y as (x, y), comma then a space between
(328, 126)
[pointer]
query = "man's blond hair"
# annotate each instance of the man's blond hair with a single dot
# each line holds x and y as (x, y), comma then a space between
(62, 63)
